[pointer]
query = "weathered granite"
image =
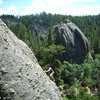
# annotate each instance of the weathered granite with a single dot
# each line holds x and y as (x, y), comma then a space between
(72, 38)
(21, 77)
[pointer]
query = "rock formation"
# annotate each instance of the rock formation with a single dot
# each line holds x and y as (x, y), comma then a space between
(38, 29)
(72, 38)
(21, 77)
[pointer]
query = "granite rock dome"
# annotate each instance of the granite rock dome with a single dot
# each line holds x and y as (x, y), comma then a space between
(72, 38)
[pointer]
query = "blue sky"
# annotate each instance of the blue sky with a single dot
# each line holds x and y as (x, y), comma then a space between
(66, 7)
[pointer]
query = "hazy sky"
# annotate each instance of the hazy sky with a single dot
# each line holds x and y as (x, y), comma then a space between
(67, 7)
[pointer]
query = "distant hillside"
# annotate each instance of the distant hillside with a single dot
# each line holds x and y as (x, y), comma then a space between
(40, 23)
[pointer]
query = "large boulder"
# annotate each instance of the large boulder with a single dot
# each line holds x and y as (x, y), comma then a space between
(72, 38)
(21, 77)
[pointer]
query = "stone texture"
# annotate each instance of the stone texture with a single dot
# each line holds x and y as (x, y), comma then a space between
(38, 29)
(72, 38)
(21, 77)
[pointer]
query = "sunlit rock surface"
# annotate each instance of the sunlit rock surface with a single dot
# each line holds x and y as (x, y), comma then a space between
(21, 77)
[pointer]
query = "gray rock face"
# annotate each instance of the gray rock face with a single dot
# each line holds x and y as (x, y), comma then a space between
(21, 77)
(72, 38)
(38, 29)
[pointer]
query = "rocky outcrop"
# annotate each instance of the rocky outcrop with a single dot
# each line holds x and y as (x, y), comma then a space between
(38, 29)
(21, 77)
(72, 38)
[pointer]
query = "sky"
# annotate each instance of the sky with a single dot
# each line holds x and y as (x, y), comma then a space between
(64, 7)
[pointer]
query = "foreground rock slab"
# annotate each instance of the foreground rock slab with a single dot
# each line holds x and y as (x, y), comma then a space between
(21, 77)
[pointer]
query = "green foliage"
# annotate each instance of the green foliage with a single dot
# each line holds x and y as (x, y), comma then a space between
(80, 89)
(51, 55)
(51, 36)
(80, 94)
(82, 97)
(65, 98)
(97, 56)
(72, 73)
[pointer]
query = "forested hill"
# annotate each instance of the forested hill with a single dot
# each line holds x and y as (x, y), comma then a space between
(76, 81)
(41, 23)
